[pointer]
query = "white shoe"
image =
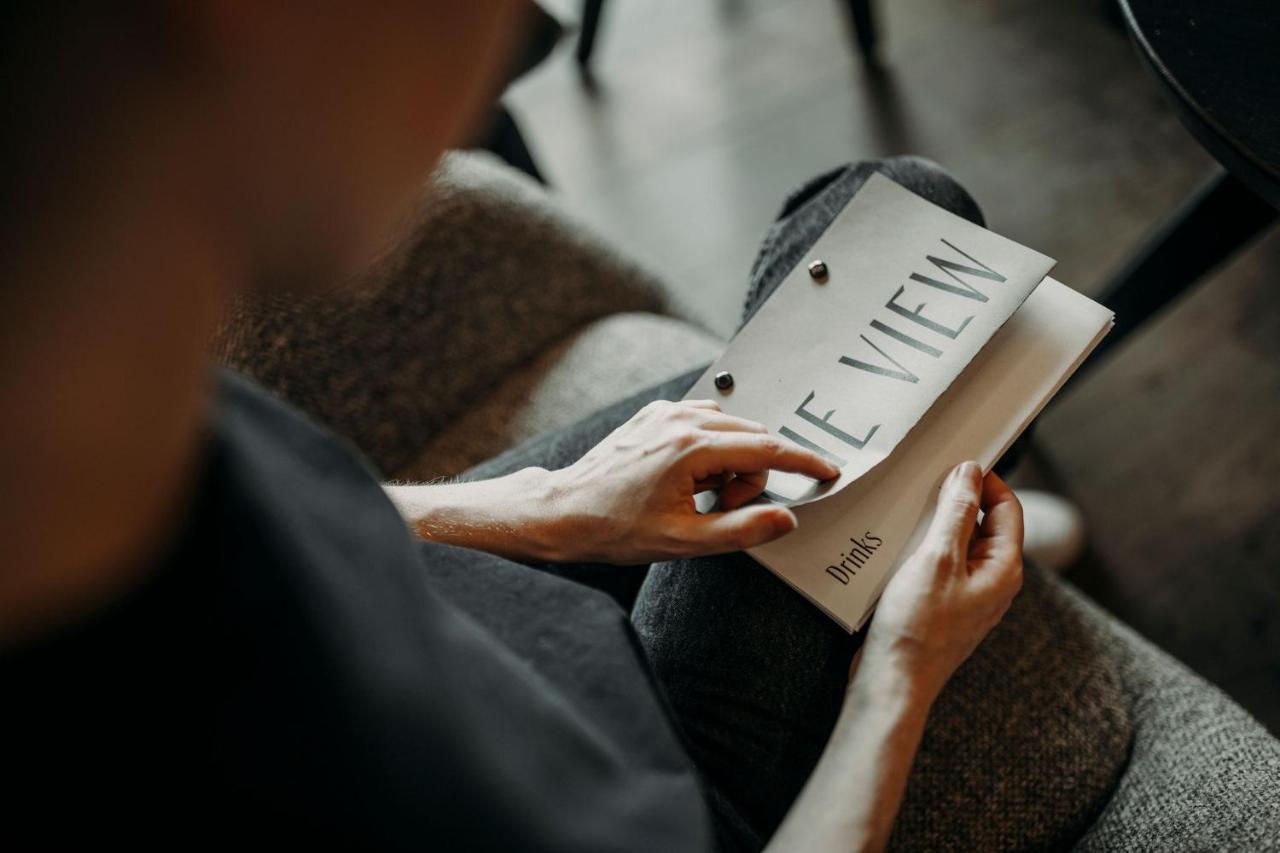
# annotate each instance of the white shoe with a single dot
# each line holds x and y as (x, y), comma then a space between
(1055, 534)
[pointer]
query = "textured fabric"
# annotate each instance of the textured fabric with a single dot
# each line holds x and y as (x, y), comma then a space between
(391, 360)
(1027, 740)
(593, 368)
(1202, 775)
(291, 676)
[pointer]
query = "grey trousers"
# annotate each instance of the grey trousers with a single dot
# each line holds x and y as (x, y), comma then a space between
(753, 673)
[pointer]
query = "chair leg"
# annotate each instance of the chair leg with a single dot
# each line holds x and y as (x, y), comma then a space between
(1218, 219)
(505, 139)
(864, 28)
(591, 11)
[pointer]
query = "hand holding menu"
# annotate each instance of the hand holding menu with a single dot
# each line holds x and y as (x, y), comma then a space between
(928, 341)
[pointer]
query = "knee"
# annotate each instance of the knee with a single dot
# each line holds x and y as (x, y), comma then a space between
(927, 179)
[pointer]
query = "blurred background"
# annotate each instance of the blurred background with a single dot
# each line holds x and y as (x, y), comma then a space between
(698, 116)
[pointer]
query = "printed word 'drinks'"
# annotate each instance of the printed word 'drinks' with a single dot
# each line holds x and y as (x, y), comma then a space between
(860, 551)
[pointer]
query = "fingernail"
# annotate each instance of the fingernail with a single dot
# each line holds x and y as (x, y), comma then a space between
(963, 471)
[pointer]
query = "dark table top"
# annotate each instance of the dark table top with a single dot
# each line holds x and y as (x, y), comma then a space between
(1220, 62)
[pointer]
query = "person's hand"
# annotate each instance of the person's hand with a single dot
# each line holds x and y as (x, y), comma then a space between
(954, 588)
(630, 498)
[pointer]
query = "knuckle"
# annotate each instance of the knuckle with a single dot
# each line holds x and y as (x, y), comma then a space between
(941, 556)
(770, 444)
(746, 536)
(678, 549)
(701, 543)
(673, 544)
(963, 504)
(686, 440)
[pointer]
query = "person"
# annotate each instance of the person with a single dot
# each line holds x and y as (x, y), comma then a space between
(216, 627)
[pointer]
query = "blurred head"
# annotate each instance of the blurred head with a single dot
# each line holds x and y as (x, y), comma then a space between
(158, 154)
(305, 128)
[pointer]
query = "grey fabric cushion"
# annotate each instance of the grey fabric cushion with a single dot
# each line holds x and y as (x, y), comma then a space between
(488, 274)
(601, 364)
(1203, 775)
(1027, 741)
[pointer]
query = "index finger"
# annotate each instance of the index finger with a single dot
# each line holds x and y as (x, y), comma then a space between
(744, 452)
(1002, 511)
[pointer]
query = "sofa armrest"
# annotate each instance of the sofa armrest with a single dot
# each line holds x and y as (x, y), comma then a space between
(1026, 743)
(1065, 728)
(488, 274)
(596, 366)
(1202, 773)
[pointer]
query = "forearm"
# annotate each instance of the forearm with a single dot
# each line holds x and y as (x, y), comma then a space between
(852, 798)
(512, 516)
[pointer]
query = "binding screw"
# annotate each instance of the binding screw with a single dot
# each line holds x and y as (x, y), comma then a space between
(724, 380)
(818, 271)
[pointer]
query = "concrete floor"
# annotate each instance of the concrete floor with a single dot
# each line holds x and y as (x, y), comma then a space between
(706, 112)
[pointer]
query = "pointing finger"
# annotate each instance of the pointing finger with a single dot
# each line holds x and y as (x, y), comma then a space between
(747, 452)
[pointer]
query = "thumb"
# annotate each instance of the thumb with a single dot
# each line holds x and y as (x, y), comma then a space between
(958, 501)
(721, 532)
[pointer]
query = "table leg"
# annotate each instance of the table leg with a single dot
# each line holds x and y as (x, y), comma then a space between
(505, 139)
(1219, 218)
(591, 11)
(864, 28)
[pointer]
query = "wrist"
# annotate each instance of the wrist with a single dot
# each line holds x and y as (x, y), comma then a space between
(512, 516)
(528, 514)
(569, 523)
(900, 671)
